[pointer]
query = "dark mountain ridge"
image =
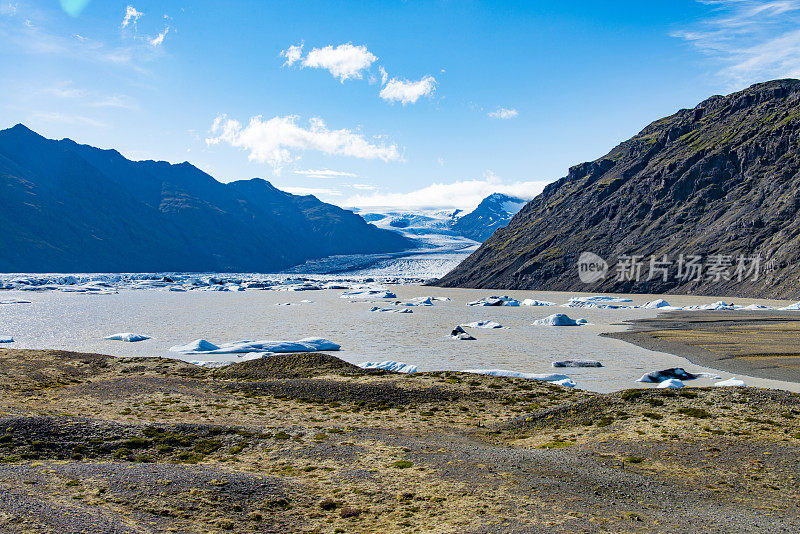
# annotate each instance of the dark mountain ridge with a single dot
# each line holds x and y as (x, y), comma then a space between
(721, 179)
(67, 207)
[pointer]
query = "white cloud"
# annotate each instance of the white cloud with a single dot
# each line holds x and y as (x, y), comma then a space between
(131, 16)
(325, 173)
(752, 40)
(344, 61)
(504, 113)
(293, 54)
(158, 39)
(312, 191)
(364, 187)
(384, 75)
(465, 194)
(277, 140)
(407, 92)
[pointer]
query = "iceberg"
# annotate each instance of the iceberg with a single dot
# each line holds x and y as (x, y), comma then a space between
(397, 367)
(657, 377)
(6, 339)
(422, 301)
(205, 363)
(390, 310)
(309, 344)
(671, 383)
(483, 324)
(127, 336)
(731, 382)
(558, 319)
(598, 302)
(533, 302)
(15, 301)
(791, 307)
(368, 294)
(547, 377)
(566, 382)
(577, 363)
(495, 301)
(658, 303)
(460, 333)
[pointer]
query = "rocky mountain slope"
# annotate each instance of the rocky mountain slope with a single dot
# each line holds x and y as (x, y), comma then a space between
(66, 207)
(718, 184)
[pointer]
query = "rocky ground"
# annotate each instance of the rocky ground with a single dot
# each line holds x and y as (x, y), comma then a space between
(309, 443)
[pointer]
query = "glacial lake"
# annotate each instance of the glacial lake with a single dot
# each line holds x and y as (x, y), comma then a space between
(80, 321)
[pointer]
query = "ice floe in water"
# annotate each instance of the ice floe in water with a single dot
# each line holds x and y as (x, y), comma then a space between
(422, 301)
(656, 377)
(598, 302)
(309, 344)
(731, 382)
(130, 337)
(505, 300)
(461, 334)
(577, 363)
(558, 319)
(6, 339)
(534, 302)
(483, 324)
(658, 303)
(566, 382)
(15, 301)
(390, 310)
(547, 377)
(368, 294)
(671, 383)
(397, 367)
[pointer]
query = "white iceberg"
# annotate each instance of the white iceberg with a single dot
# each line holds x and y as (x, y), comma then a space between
(505, 300)
(310, 344)
(461, 334)
(534, 302)
(656, 377)
(390, 310)
(558, 319)
(731, 382)
(546, 377)
(577, 363)
(205, 363)
(422, 301)
(671, 383)
(658, 303)
(483, 324)
(598, 302)
(791, 307)
(368, 294)
(566, 382)
(130, 337)
(6, 339)
(397, 367)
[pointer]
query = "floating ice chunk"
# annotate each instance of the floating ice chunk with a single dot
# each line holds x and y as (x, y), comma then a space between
(309, 344)
(180, 289)
(674, 372)
(390, 310)
(791, 307)
(127, 336)
(547, 377)
(443, 299)
(533, 302)
(397, 367)
(577, 363)
(368, 294)
(566, 382)
(599, 302)
(671, 383)
(306, 301)
(658, 303)
(15, 301)
(196, 346)
(422, 301)
(495, 301)
(731, 382)
(460, 333)
(6, 339)
(483, 324)
(757, 307)
(557, 319)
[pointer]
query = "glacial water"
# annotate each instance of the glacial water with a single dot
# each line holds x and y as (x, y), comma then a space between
(80, 321)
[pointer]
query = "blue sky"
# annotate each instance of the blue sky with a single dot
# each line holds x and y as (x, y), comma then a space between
(413, 104)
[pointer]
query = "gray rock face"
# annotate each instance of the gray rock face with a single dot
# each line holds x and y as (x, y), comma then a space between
(722, 179)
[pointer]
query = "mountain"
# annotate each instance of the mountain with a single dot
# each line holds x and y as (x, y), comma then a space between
(492, 213)
(67, 207)
(719, 181)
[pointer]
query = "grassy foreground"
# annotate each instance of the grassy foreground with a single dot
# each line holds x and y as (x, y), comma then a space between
(309, 443)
